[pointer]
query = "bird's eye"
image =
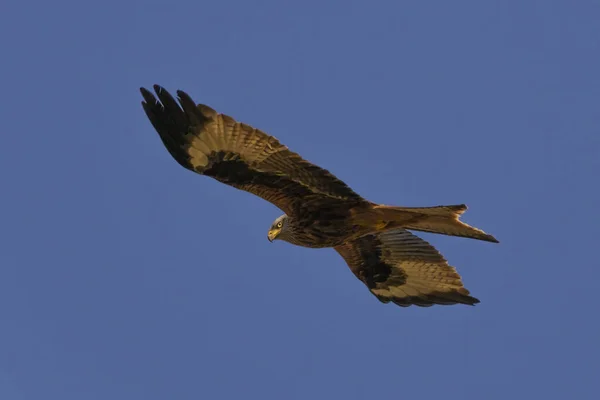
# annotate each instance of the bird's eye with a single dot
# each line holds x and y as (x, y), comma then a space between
(279, 224)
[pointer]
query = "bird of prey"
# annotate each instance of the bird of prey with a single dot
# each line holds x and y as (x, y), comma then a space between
(320, 210)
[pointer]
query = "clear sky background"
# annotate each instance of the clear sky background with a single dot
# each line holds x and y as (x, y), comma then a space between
(124, 276)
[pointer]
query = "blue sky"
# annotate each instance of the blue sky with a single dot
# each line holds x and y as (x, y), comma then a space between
(124, 276)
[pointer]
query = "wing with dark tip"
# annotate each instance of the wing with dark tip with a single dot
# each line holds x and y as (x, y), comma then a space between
(216, 145)
(402, 268)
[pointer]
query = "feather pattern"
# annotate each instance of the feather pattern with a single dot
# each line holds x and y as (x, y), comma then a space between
(400, 267)
(216, 145)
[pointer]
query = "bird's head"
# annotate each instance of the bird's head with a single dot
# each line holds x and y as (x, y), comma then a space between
(278, 229)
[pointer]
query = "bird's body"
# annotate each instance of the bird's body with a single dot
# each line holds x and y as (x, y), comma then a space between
(318, 234)
(320, 210)
(308, 226)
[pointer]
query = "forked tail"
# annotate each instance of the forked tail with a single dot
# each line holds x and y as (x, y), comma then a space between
(439, 219)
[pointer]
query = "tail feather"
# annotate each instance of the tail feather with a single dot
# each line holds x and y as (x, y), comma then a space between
(438, 219)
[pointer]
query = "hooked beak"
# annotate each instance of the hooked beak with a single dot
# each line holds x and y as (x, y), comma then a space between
(271, 236)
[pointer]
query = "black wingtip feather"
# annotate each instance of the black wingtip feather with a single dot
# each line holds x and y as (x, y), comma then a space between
(168, 119)
(442, 299)
(191, 108)
(167, 100)
(148, 96)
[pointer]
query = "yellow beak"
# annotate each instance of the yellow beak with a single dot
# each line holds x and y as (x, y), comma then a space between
(271, 236)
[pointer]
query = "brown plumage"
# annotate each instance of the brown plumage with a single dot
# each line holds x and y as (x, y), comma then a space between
(320, 210)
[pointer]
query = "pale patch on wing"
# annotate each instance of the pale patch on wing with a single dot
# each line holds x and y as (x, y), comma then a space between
(198, 157)
(222, 133)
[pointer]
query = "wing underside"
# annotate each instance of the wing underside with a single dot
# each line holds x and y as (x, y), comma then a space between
(402, 268)
(215, 145)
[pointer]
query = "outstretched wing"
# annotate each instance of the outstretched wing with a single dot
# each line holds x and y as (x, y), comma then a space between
(216, 145)
(400, 267)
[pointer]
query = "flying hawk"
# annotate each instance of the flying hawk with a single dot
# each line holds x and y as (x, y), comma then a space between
(320, 210)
